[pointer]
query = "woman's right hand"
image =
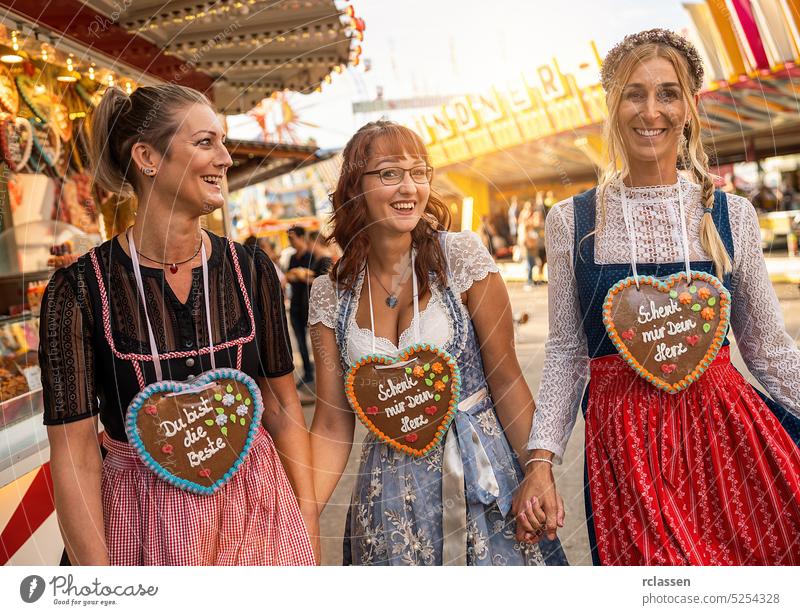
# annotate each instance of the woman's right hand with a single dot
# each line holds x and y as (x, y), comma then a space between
(538, 508)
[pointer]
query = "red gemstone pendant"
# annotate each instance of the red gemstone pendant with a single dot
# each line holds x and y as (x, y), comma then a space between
(173, 268)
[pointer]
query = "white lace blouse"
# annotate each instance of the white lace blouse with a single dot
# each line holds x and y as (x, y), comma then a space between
(756, 319)
(468, 261)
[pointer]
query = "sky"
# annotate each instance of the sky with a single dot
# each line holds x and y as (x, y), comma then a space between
(451, 47)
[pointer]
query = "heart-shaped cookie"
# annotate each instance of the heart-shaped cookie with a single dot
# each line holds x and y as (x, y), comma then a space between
(46, 144)
(668, 331)
(9, 98)
(195, 434)
(408, 401)
(16, 140)
(36, 98)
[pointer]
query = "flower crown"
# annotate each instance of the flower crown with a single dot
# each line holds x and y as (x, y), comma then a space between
(656, 35)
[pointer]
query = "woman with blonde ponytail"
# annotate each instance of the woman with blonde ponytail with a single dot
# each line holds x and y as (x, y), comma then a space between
(184, 359)
(686, 463)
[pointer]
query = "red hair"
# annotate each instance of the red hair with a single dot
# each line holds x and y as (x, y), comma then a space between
(349, 219)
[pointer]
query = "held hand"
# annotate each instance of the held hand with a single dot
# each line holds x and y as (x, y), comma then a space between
(538, 507)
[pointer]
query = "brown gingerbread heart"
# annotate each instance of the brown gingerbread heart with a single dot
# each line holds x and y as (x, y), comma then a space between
(408, 402)
(195, 434)
(668, 331)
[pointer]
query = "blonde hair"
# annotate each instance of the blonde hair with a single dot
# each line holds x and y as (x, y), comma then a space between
(691, 154)
(120, 121)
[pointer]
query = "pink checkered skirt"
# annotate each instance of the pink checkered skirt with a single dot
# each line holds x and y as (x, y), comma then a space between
(253, 520)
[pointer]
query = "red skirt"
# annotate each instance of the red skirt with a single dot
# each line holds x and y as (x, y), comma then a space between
(706, 476)
(253, 520)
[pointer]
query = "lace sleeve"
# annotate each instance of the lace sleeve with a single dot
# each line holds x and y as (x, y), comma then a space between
(768, 350)
(323, 303)
(566, 362)
(66, 349)
(468, 260)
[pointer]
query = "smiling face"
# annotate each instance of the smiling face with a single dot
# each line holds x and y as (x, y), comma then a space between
(189, 174)
(396, 208)
(652, 113)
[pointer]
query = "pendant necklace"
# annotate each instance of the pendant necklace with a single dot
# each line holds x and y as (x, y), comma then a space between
(173, 267)
(391, 298)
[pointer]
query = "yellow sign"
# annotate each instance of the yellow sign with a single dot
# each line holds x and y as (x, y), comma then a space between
(537, 105)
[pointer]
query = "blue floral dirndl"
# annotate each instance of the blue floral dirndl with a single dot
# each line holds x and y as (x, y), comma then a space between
(397, 509)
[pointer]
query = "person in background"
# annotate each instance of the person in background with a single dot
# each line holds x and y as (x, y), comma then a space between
(322, 255)
(539, 215)
(513, 215)
(528, 242)
(300, 275)
(269, 249)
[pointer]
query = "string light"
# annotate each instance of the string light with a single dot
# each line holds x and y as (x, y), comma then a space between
(91, 72)
(110, 80)
(69, 75)
(45, 56)
(129, 88)
(14, 57)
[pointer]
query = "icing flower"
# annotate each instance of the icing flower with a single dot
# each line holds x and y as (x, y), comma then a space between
(228, 399)
(151, 410)
(430, 410)
(372, 410)
(438, 386)
(205, 472)
(707, 313)
(222, 419)
(685, 298)
(411, 438)
(167, 449)
(437, 367)
(418, 371)
(241, 410)
(704, 293)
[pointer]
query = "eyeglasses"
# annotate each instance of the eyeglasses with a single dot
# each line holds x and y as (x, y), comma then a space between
(391, 176)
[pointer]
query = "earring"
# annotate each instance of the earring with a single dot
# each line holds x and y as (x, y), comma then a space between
(148, 171)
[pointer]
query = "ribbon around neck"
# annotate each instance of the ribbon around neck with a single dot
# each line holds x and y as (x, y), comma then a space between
(626, 214)
(137, 273)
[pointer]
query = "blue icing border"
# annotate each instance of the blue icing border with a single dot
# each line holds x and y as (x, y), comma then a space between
(174, 385)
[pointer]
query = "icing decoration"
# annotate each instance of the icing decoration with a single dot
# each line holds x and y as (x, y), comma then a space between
(194, 434)
(674, 340)
(16, 139)
(407, 401)
(9, 98)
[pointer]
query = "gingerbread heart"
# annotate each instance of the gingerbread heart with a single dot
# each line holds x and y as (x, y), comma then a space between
(34, 95)
(16, 140)
(46, 143)
(408, 401)
(678, 327)
(9, 98)
(195, 434)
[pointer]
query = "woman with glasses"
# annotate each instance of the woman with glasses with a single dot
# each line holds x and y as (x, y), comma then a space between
(403, 280)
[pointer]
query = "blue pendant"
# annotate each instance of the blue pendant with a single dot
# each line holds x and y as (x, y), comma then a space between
(391, 301)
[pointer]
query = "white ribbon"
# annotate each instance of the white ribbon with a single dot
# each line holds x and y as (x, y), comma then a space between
(137, 273)
(626, 215)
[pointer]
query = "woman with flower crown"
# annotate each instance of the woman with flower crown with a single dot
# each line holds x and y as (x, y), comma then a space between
(685, 462)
